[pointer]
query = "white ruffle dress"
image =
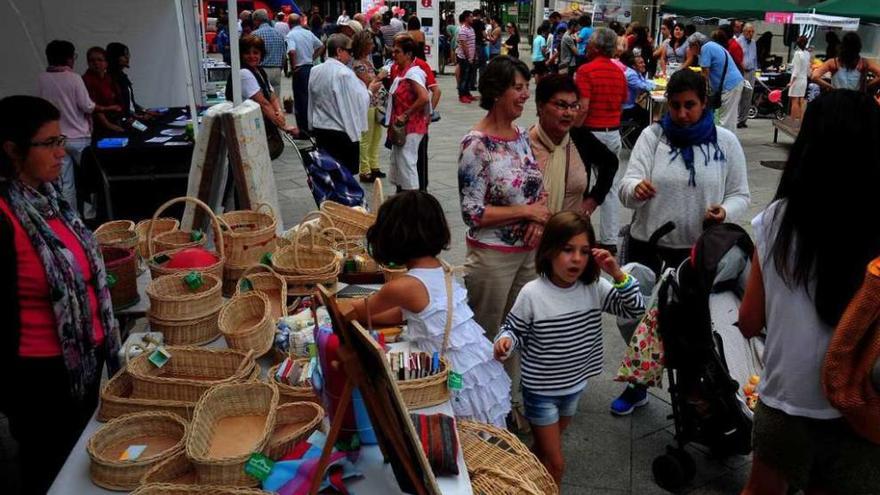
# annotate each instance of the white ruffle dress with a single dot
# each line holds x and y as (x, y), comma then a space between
(485, 392)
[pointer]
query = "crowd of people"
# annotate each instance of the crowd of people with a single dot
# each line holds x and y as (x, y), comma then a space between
(525, 328)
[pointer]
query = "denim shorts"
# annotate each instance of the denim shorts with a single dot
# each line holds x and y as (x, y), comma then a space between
(545, 410)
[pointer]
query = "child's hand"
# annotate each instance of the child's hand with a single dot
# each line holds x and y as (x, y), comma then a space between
(502, 348)
(608, 263)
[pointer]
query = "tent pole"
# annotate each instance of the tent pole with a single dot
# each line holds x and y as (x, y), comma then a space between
(193, 113)
(232, 8)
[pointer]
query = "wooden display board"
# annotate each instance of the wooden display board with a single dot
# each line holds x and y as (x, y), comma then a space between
(368, 370)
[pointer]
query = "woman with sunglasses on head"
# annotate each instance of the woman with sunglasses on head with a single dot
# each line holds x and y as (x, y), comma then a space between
(59, 327)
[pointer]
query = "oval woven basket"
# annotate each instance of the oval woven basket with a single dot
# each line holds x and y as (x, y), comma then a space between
(290, 393)
(352, 221)
(426, 392)
(189, 373)
(164, 435)
(114, 225)
(168, 489)
(246, 324)
(156, 265)
(294, 421)
(175, 470)
(176, 239)
(264, 279)
(242, 412)
(164, 224)
(117, 400)
(198, 331)
(301, 259)
(122, 264)
(488, 449)
(125, 239)
(171, 299)
(248, 234)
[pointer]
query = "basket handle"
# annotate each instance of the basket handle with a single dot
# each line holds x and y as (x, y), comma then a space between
(265, 268)
(295, 244)
(334, 229)
(268, 207)
(248, 359)
(378, 196)
(447, 274)
(218, 236)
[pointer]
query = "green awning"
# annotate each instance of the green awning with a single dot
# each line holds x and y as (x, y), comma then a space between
(865, 10)
(751, 9)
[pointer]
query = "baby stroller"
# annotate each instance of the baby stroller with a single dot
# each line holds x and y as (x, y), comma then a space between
(763, 105)
(327, 179)
(708, 361)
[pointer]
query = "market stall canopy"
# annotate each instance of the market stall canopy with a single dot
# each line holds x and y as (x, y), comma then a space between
(811, 19)
(866, 10)
(754, 9)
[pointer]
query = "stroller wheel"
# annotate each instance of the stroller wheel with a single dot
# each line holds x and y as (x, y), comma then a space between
(686, 461)
(673, 469)
(780, 114)
(753, 112)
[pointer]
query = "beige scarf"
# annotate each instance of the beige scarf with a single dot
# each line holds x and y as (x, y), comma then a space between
(556, 170)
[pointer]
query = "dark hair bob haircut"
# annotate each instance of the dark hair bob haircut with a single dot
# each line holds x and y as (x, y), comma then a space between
(21, 117)
(553, 84)
(557, 232)
(249, 41)
(500, 75)
(409, 225)
(686, 80)
(58, 52)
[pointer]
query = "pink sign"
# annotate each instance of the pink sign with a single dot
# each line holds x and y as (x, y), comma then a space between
(778, 17)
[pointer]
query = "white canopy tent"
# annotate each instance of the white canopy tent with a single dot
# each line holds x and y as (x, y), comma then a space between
(163, 37)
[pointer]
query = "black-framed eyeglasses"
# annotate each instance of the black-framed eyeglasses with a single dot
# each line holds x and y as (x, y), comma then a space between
(52, 142)
(564, 105)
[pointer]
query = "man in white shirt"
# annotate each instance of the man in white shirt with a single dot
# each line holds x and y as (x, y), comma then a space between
(750, 64)
(338, 104)
(280, 25)
(343, 18)
(302, 48)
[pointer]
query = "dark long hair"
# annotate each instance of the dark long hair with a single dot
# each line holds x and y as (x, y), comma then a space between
(825, 233)
(849, 52)
(21, 117)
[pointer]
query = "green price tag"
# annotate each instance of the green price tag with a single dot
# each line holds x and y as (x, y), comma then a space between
(196, 235)
(111, 280)
(313, 350)
(266, 259)
(193, 280)
(454, 381)
(258, 466)
(245, 285)
(159, 357)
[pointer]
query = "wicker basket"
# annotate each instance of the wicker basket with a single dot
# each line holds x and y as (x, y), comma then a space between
(164, 435)
(156, 267)
(198, 331)
(290, 393)
(117, 400)
(246, 324)
(221, 464)
(301, 259)
(499, 463)
(167, 489)
(176, 239)
(392, 273)
(122, 265)
(352, 221)
(294, 421)
(125, 239)
(248, 235)
(306, 285)
(171, 299)
(114, 225)
(264, 279)
(231, 275)
(162, 225)
(175, 469)
(426, 392)
(189, 373)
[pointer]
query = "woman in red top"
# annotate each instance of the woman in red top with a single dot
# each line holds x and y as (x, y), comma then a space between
(408, 97)
(58, 324)
(103, 91)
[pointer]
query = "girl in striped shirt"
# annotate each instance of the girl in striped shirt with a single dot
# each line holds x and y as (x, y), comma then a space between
(556, 323)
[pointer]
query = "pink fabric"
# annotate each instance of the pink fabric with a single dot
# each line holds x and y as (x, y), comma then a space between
(67, 91)
(39, 337)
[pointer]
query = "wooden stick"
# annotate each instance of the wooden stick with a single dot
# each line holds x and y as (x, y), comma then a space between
(344, 402)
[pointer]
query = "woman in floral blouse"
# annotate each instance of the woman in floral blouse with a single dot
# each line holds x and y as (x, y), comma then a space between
(502, 201)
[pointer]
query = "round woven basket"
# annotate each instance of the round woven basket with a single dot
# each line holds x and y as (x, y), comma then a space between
(290, 393)
(168, 489)
(155, 261)
(294, 421)
(352, 221)
(175, 469)
(197, 331)
(125, 239)
(499, 463)
(246, 324)
(164, 434)
(306, 259)
(231, 275)
(114, 225)
(121, 263)
(218, 461)
(176, 239)
(426, 392)
(248, 234)
(264, 279)
(171, 299)
(117, 400)
(162, 225)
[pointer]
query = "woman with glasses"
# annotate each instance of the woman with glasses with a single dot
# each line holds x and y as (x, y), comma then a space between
(408, 108)
(503, 202)
(58, 323)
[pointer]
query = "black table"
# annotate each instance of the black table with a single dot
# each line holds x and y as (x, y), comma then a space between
(133, 181)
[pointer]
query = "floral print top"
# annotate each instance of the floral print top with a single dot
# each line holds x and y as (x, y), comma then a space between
(497, 172)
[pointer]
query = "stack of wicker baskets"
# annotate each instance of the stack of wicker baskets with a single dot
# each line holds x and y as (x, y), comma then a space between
(499, 464)
(246, 322)
(117, 240)
(183, 314)
(352, 222)
(248, 235)
(174, 241)
(262, 278)
(306, 264)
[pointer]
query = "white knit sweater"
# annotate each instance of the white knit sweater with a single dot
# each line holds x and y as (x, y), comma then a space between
(717, 182)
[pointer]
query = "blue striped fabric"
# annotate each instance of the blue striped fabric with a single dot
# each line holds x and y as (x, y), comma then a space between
(276, 46)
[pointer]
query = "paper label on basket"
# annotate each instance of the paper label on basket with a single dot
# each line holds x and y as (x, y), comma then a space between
(454, 381)
(193, 280)
(245, 285)
(258, 466)
(196, 235)
(111, 280)
(266, 259)
(132, 452)
(159, 357)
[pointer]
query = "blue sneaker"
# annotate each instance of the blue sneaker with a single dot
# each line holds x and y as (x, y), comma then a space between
(631, 398)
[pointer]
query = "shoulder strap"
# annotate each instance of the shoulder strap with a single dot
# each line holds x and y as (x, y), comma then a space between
(727, 57)
(447, 274)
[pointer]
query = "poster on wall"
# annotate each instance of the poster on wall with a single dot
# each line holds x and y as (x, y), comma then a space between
(428, 12)
(572, 9)
(613, 10)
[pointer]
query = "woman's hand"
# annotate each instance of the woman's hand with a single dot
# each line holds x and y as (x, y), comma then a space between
(644, 190)
(291, 129)
(402, 119)
(589, 205)
(608, 263)
(715, 214)
(502, 348)
(533, 234)
(537, 212)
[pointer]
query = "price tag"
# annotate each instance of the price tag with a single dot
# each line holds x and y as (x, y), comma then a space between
(159, 357)
(266, 259)
(111, 280)
(196, 235)
(193, 280)
(258, 466)
(453, 381)
(245, 285)
(132, 452)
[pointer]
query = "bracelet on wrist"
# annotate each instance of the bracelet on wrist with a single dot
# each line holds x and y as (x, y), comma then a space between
(626, 283)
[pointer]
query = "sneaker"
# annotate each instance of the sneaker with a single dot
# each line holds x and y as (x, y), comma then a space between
(378, 173)
(630, 399)
(471, 98)
(464, 99)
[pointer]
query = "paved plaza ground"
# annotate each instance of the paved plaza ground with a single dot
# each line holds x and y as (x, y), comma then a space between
(605, 454)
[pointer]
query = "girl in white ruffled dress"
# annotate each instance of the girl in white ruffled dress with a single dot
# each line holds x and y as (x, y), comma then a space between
(411, 230)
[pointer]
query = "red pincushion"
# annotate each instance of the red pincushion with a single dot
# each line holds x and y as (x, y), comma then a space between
(193, 257)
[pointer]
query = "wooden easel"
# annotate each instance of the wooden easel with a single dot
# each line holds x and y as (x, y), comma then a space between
(368, 370)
